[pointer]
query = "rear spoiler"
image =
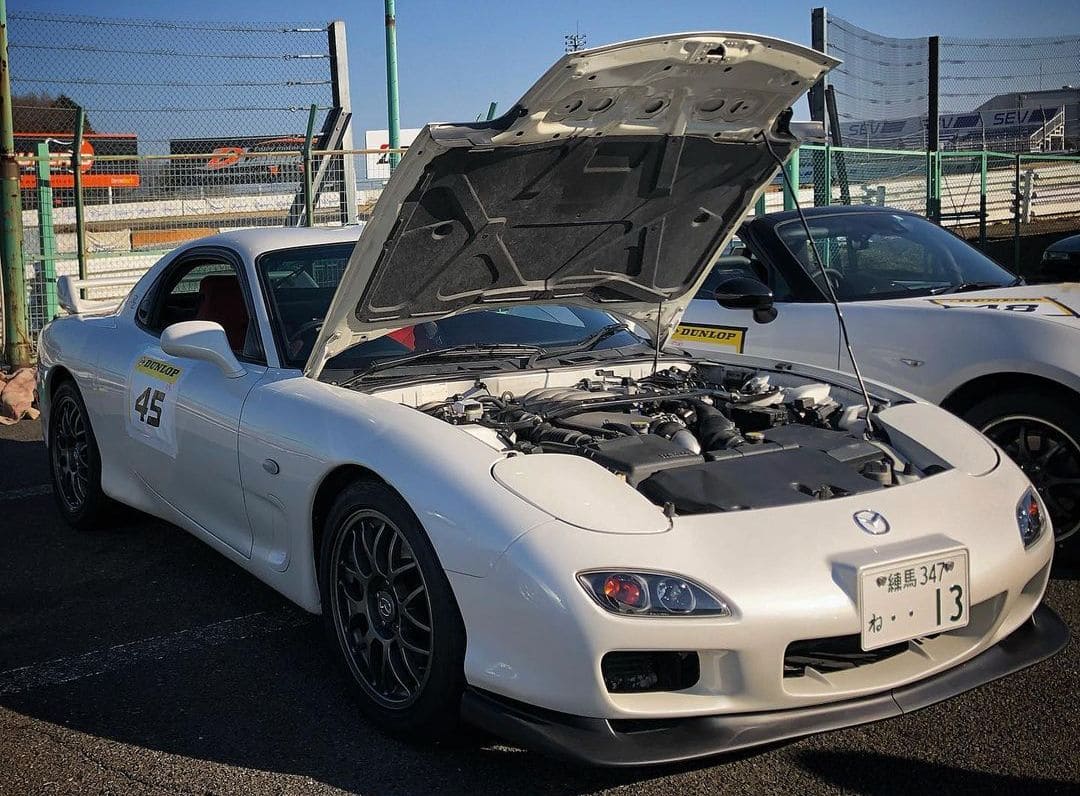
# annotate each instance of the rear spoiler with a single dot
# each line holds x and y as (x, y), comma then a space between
(809, 132)
(69, 293)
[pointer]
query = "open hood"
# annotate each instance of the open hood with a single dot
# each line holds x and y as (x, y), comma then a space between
(613, 183)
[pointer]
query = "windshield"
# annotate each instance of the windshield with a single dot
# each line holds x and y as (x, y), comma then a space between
(300, 283)
(889, 255)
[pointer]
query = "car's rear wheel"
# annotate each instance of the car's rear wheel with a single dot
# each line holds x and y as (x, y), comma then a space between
(389, 609)
(1041, 433)
(74, 461)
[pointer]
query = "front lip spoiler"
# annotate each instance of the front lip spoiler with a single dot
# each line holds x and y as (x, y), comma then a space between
(604, 742)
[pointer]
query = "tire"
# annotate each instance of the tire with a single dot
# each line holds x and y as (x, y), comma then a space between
(75, 462)
(401, 636)
(1041, 433)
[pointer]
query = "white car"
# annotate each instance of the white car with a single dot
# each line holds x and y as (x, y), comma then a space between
(509, 507)
(926, 312)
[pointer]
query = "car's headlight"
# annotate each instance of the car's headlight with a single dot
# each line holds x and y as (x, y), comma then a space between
(1030, 518)
(1055, 256)
(651, 594)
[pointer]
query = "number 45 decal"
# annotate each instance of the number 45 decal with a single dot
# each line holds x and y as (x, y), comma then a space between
(148, 405)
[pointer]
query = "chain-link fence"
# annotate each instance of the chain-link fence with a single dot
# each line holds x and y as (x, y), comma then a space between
(1004, 95)
(187, 129)
(171, 85)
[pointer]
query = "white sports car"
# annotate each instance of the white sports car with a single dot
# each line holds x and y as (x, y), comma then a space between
(512, 508)
(927, 313)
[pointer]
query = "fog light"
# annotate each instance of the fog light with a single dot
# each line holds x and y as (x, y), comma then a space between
(651, 594)
(1030, 518)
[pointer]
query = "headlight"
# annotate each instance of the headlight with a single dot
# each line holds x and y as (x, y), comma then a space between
(1030, 518)
(651, 594)
(1055, 256)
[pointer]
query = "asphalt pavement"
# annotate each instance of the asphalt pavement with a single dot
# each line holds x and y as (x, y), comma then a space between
(136, 660)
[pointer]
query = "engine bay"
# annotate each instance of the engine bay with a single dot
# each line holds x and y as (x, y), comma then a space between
(695, 440)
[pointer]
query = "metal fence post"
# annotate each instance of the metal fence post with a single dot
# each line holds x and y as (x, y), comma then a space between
(80, 210)
(17, 343)
(759, 205)
(982, 200)
(818, 106)
(46, 233)
(933, 189)
(792, 166)
(309, 191)
(1016, 216)
(339, 85)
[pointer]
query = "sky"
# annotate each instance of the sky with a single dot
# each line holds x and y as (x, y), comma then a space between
(456, 56)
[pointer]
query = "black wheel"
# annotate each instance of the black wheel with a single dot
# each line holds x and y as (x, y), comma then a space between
(389, 609)
(74, 461)
(1041, 433)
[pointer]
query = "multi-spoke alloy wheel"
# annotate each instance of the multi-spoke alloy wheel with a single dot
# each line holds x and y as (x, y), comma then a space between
(388, 606)
(71, 453)
(381, 608)
(74, 461)
(1050, 457)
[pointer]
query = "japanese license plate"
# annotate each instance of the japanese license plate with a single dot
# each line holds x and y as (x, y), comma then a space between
(912, 598)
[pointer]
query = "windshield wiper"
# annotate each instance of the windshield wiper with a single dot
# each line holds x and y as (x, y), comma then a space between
(592, 341)
(495, 350)
(965, 287)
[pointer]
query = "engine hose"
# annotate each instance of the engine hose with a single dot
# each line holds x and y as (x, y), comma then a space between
(547, 433)
(715, 430)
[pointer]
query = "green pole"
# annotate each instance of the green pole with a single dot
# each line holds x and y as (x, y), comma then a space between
(309, 193)
(80, 209)
(827, 193)
(393, 123)
(792, 167)
(19, 349)
(491, 110)
(759, 206)
(46, 233)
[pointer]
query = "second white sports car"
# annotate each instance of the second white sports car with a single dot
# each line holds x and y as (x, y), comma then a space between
(511, 507)
(928, 313)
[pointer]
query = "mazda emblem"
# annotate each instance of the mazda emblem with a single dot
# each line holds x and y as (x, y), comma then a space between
(872, 522)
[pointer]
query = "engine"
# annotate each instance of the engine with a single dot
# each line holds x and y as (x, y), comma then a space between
(694, 441)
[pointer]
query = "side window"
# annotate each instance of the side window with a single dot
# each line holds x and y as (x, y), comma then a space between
(203, 289)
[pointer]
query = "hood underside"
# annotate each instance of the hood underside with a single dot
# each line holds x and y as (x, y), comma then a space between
(613, 183)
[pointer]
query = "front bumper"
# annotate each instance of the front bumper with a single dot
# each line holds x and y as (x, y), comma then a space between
(632, 742)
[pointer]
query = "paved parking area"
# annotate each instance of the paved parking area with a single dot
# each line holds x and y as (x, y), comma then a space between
(137, 660)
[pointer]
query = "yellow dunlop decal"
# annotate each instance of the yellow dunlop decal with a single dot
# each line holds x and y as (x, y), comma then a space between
(726, 336)
(158, 369)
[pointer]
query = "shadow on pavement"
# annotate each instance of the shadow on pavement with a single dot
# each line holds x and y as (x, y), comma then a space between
(873, 772)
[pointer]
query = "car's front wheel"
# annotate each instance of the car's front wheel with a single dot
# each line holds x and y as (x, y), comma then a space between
(389, 609)
(74, 461)
(1041, 433)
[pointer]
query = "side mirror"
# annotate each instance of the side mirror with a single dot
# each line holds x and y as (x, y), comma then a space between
(204, 341)
(746, 293)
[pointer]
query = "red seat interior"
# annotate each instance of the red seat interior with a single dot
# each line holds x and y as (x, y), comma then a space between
(221, 300)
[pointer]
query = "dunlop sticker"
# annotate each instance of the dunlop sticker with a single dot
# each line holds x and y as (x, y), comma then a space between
(733, 337)
(153, 387)
(155, 368)
(1036, 305)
